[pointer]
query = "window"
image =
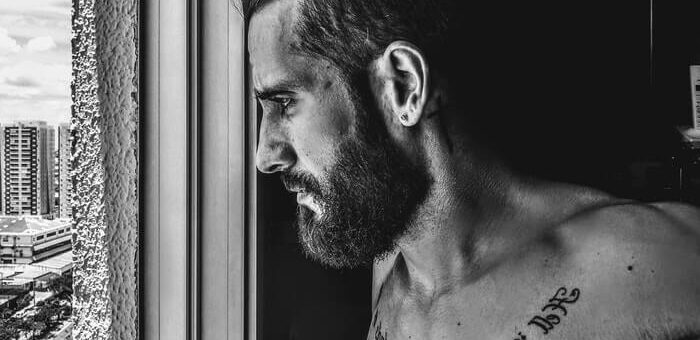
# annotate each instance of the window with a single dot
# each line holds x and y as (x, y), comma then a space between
(193, 88)
(224, 260)
(35, 77)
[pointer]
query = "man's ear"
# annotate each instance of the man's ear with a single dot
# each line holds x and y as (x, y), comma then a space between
(404, 82)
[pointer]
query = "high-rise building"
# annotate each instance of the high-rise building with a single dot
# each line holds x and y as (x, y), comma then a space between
(57, 182)
(64, 179)
(26, 163)
(51, 159)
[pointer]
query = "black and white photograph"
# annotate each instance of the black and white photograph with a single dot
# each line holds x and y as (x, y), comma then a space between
(349, 169)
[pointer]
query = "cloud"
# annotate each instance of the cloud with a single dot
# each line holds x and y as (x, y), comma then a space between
(44, 9)
(53, 111)
(7, 44)
(40, 44)
(22, 81)
(61, 3)
(29, 79)
(35, 59)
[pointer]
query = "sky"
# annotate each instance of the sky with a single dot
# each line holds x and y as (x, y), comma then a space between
(35, 60)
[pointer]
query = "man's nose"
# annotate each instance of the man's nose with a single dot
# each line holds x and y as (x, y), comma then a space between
(274, 152)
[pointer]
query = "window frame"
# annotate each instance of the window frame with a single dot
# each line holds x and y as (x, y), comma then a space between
(193, 96)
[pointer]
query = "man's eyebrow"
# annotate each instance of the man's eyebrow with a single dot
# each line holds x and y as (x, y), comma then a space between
(283, 87)
(267, 94)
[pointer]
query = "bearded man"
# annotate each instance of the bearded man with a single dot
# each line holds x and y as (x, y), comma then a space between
(366, 118)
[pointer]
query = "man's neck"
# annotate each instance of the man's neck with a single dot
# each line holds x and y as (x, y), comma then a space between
(459, 237)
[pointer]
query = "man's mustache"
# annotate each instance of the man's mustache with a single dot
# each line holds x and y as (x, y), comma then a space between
(297, 182)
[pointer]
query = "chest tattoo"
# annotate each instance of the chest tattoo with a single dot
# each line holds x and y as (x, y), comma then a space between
(553, 311)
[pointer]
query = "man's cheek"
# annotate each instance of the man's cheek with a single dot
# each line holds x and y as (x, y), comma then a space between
(317, 152)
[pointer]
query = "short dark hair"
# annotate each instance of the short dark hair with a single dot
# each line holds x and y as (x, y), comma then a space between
(350, 34)
(515, 85)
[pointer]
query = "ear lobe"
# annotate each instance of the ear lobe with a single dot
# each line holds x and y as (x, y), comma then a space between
(405, 75)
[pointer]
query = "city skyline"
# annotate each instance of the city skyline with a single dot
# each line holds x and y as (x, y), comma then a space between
(35, 61)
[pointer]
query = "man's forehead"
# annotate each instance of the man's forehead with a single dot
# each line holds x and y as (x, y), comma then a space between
(272, 26)
(270, 39)
(276, 63)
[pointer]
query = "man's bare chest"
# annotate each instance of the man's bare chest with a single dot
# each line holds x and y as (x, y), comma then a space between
(466, 316)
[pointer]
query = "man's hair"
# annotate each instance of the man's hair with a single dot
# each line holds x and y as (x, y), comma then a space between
(350, 34)
(515, 85)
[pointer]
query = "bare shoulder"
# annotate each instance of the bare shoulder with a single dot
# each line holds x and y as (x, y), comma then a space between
(683, 214)
(638, 264)
(655, 227)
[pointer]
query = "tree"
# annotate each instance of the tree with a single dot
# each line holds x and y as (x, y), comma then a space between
(9, 329)
(39, 326)
(62, 283)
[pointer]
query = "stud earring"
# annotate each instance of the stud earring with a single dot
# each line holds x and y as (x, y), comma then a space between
(404, 117)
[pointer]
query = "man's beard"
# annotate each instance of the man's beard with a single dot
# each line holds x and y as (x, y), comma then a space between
(367, 198)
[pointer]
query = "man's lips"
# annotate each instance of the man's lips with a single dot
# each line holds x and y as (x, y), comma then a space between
(304, 198)
(307, 199)
(295, 189)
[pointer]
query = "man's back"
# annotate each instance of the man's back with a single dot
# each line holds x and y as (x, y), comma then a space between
(618, 271)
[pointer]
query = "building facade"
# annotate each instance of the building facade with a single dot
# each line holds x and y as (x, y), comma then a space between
(25, 240)
(51, 170)
(65, 183)
(26, 168)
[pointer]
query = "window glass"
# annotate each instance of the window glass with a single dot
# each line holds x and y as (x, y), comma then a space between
(35, 184)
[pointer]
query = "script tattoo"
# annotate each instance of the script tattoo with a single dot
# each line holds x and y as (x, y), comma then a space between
(555, 309)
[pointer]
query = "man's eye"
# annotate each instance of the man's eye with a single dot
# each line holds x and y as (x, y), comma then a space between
(284, 104)
(284, 101)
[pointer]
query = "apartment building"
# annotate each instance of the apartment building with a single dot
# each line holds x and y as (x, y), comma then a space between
(27, 239)
(26, 168)
(64, 179)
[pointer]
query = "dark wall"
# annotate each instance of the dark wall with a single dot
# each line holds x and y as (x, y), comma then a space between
(573, 92)
(676, 45)
(562, 89)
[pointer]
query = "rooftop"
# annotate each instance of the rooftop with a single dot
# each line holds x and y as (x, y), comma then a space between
(59, 262)
(29, 224)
